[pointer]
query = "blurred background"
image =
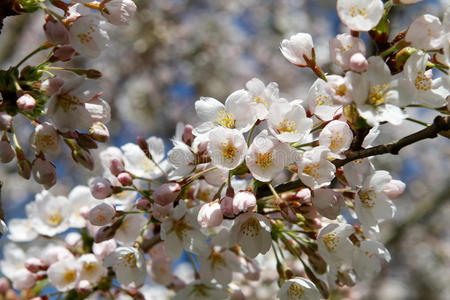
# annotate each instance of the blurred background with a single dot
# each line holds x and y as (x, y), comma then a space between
(175, 51)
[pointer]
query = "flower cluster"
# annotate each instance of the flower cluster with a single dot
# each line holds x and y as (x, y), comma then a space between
(66, 110)
(260, 175)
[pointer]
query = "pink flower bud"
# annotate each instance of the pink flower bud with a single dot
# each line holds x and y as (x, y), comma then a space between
(55, 31)
(143, 204)
(103, 249)
(166, 193)
(6, 152)
(63, 53)
(210, 215)
(119, 12)
(226, 205)
(304, 195)
(188, 136)
(4, 285)
(23, 279)
(252, 271)
(24, 167)
(288, 213)
(104, 233)
(84, 211)
(125, 178)
(116, 166)
(358, 63)
(51, 86)
(84, 287)
(160, 212)
(101, 188)
(26, 102)
(244, 201)
(99, 132)
(101, 214)
(5, 121)
(34, 264)
(44, 172)
(203, 148)
(394, 189)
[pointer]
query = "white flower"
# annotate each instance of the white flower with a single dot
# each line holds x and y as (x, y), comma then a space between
(81, 202)
(21, 230)
(368, 258)
(360, 15)
(139, 164)
(181, 159)
(340, 88)
(314, 169)
(334, 245)
(288, 122)
(181, 230)
(198, 290)
(49, 215)
(429, 92)
(226, 147)
(130, 228)
(87, 36)
(378, 95)
(251, 231)
(299, 288)
(337, 136)
(234, 114)
(320, 101)
(64, 274)
(261, 96)
(371, 204)
(327, 202)
(91, 268)
(266, 156)
(356, 171)
(210, 215)
(343, 47)
(45, 138)
(426, 33)
(77, 105)
(129, 265)
(297, 47)
(218, 265)
(119, 12)
(161, 270)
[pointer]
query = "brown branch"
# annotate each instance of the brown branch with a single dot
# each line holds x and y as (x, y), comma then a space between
(440, 124)
(147, 244)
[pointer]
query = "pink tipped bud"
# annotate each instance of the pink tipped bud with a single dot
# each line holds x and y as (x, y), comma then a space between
(52, 86)
(63, 53)
(101, 214)
(252, 270)
(226, 205)
(142, 143)
(358, 63)
(34, 264)
(116, 166)
(304, 195)
(26, 102)
(6, 152)
(101, 188)
(143, 204)
(23, 167)
(84, 211)
(188, 136)
(394, 189)
(84, 287)
(166, 193)
(288, 213)
(244, 201)
(55, 31)
(99, 132)
(210, 215)
(5, 121)
(203, 148)
(125, 179)
(105, 233)
(44, 172)
(4, 285)
(160, 212)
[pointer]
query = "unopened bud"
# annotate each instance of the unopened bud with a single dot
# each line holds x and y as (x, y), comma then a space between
(84, 287)
(244, 201)
(84, 158)
(288, 213)
(5, 121)
(55, 31)
(101, 214)
(44, 172)
(24, 167)
(26, 102)
(101, 188)
(358, 63)
(4, 285)
(99, 132)
(210, 215)
(304, 195)
(51, 86)
(105, 233)
(226, 205)
(167, 193)
(125, 179)
(203, 148)
(87, 142)
(116, 166)
(6, 152)
(63, 53)
(188, 136)
(394, 189)
(143, 204)
(144, 146)
(35, 265)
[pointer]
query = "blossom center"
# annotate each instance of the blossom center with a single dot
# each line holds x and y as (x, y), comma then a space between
(251, 227)
(129, 260)
(422, 82)
(228, 150)
(321, 100)
(85, 38)
(54, 218)
(331, 240)
(46, 141)
(312, 170)
(296, 291)
(336, 141)
(356, 11)
(341, 90)
(368, 198)
(264, 160)
(225, 119)
(217, 260)
(181, 227)
(68, 102)
(69, 276)
(378, 93)
(287, 126)
(260, 100)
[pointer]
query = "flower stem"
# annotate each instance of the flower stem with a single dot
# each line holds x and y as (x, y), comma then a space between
(44, 46)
